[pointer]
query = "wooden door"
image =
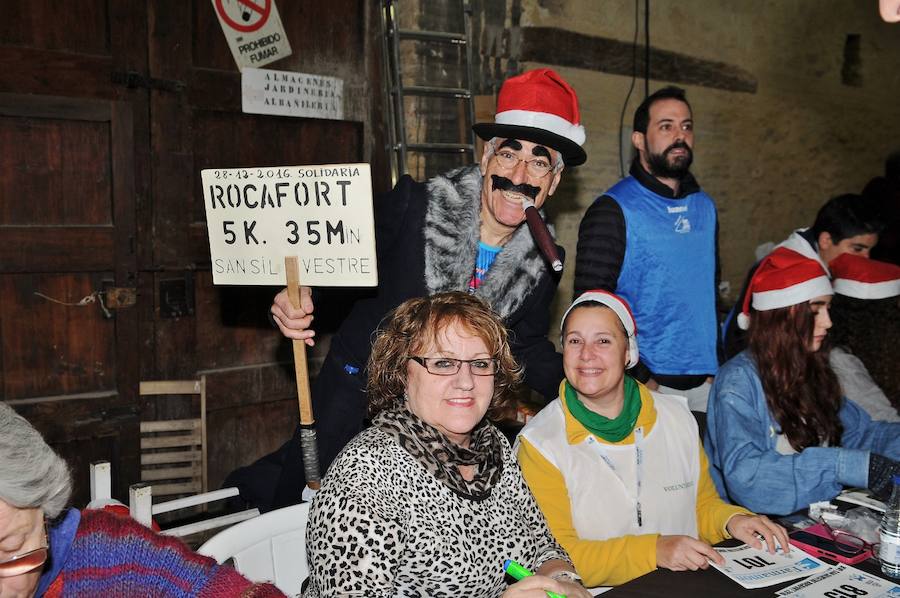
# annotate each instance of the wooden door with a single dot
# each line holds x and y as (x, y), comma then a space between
(251, 394)
(69, 183)
(108, 111)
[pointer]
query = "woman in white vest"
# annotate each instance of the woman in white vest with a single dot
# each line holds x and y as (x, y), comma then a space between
(617, 469)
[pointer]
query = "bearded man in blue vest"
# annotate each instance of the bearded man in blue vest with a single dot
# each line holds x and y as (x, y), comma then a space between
(652, 239)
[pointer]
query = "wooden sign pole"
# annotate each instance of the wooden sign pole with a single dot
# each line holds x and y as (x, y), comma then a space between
(308, 445)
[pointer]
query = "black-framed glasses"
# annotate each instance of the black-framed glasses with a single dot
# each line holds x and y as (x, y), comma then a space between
(537, 167)
(847, 542)
(446, 366)
(27, 561)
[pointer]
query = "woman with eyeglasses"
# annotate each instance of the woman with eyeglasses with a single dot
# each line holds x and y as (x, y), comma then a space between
(780, 435)
(618, 469)
(49, 550)
(429, 500)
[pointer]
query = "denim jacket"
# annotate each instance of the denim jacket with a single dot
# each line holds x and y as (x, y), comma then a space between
(741, 436)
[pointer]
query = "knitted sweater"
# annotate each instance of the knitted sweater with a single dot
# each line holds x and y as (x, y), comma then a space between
(102, 554)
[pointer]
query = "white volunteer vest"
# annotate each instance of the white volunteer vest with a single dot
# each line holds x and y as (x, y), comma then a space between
(601, 480)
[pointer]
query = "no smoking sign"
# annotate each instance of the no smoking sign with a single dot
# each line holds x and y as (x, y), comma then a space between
(244, 15)
(253, 30)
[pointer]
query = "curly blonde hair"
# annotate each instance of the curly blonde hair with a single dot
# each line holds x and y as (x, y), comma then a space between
(415, 324)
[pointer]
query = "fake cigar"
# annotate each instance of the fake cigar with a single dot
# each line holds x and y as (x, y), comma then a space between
(541, 234)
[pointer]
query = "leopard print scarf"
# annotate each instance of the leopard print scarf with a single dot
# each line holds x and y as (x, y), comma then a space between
(441, 457)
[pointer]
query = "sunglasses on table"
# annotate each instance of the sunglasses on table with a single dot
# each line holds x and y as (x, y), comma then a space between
(27, 561)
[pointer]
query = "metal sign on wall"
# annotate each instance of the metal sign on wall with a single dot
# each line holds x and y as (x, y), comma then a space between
(254, 31)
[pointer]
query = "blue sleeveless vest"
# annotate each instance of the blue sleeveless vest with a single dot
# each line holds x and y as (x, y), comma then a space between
(668, 277)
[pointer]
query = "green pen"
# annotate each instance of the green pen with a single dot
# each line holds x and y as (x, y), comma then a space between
(517, 572)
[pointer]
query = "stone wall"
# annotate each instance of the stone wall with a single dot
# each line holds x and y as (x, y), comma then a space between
(794, 102)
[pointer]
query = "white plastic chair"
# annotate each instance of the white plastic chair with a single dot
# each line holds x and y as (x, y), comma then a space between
(269, 548)
(101, 486)
(142, 509)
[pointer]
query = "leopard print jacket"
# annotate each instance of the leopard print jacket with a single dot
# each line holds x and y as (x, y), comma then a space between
(382, 526)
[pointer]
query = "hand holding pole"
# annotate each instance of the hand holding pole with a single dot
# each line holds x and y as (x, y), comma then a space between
(308, 446)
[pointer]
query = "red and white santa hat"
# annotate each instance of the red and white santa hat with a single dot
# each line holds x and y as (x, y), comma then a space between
(783, 278)
(619, 307)
(862, 278)
(539, 106)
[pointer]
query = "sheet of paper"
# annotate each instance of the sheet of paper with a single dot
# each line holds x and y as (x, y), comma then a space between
(753, 568)
(323, 214)
(842, 580)
(862, 498)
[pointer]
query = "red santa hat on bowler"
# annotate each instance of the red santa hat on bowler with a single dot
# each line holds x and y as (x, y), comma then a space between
(621, 308)
(783, 278)
(539, 106)
(862, 278)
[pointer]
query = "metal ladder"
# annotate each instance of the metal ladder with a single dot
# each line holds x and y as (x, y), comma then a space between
(394, 90)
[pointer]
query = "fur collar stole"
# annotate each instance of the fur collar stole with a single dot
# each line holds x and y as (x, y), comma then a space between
(452, 232)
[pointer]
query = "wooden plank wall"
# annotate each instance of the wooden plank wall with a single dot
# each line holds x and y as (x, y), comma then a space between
(112, 110)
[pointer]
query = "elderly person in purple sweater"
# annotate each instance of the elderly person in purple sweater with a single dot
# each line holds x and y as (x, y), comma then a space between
(49, 550)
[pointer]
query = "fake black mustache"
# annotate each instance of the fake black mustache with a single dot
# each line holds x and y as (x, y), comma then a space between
(504, 184)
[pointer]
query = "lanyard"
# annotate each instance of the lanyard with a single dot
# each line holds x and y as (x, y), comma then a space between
(638, 467)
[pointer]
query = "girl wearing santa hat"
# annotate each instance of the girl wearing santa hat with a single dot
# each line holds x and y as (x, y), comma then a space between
(780, 435)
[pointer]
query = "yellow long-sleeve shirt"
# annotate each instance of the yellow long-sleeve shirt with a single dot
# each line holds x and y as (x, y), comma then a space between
(616, 560)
